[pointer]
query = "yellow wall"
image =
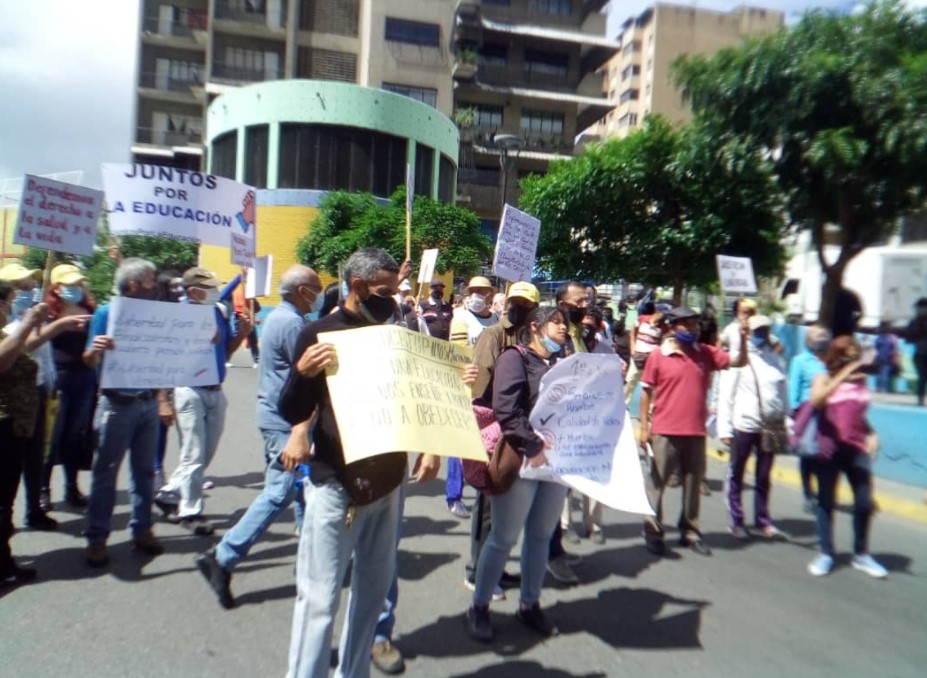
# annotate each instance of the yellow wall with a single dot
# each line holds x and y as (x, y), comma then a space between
(9, 253)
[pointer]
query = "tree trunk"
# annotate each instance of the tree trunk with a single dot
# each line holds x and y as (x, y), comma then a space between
(678, 286)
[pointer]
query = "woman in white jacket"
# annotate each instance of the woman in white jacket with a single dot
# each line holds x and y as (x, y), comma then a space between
(753, 398)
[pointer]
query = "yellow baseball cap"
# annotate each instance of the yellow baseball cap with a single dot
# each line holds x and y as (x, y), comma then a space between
(66, 274)
(17, 272)
(524, 290)
(479, 281)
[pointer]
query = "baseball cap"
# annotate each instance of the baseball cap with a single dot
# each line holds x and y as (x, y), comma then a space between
(437, 282)
(405, 286)
(682, 313)
(66, 274)
(479, 281)
(17, 272)
(748, 305)
(757, 321)
(524, 290)
(199, 277)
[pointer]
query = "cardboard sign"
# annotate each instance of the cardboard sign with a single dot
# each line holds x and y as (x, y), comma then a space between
(160, 345)
(242, 247)
(260, 277)
(54, 215)
(516, 246)
(181, 204)
(736, 274)
(426, 271)
(581, 413)
(394, 390)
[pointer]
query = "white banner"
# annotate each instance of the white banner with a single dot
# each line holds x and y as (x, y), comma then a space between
(158, 344)
(516, 246)
(581, 413)
(181, 204)
(242, 247)
(736, 274)
(426, 271)
(260, 277)
(54, 215)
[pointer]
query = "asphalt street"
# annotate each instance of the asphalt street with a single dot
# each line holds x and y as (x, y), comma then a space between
(750, 609)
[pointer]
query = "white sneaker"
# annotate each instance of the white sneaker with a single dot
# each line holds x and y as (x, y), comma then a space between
(739, 532)
(821, 565)
(497, 595)
(459, 509)
(869, 565)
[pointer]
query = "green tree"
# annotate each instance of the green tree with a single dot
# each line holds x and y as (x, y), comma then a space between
(349, 221)
(838, 104)
(656, 207)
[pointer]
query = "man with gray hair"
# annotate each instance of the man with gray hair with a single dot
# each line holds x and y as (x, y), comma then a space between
(302, 297)
(126, 419)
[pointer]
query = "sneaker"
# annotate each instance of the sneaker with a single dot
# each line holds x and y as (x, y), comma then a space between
(773, 532)
(146, 542)
(459, 509)
(13, 575)
(534, 618)
(570, 536)
(821, 565)
(387, 658)
(561, 571)
(866, 563)
(697, 544)
(39, 520)
(208, 484)
(510, 581)
(230, 364)
(200, 526)
(479, 626)
(45, 502)
(497, 594)
(167, 501)
(97, 556)
(597, 537)
(738, 532)
(218, 577)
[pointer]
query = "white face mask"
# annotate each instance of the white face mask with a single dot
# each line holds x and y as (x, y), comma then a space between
(476, 303)
(210, 296)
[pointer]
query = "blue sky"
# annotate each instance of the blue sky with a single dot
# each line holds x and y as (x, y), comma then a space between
(68, 74)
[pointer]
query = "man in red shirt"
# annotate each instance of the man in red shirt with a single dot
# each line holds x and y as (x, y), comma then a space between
(676, 380)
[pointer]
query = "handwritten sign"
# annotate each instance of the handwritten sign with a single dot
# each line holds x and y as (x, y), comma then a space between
(516, 245)
(181, 204)
(395, 390)
(260, 277)
(54, 215)
(736, 274)
(581, 412)
(160, 345)
(242, 247)
(426, 271)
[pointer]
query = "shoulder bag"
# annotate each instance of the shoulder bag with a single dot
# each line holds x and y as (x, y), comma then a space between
(774, 437)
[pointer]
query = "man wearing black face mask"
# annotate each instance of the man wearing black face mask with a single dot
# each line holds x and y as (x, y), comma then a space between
(437, 312)
(572, 300)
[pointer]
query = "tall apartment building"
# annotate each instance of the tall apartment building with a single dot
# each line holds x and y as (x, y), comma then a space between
(190, 51)
(527, 68)
(639, 77)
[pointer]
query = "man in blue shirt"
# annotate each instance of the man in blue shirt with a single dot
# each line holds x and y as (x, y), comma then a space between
(200, 414)
(126, 419)
(301, 293)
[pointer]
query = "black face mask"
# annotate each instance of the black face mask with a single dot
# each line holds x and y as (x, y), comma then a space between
(147, 293)
(380, 308)
(575, 315)
(437, 294)
(517, 315)
(588, 333)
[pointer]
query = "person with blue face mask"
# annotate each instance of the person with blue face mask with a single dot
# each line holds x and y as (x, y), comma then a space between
(301, 298)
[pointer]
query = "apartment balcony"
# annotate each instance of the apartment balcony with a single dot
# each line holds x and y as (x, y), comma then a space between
(162, 86)
(536, 143)
(237, 74)
(180, 35)
(465, 67)
(256, 18)
(170, 138)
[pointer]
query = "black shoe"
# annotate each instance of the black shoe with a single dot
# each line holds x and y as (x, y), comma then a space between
(74, 498)
(13, 575)
(655, 545)
(534, 618)
(479, 625)
(39, 520)
(697, 545)
(45, 501)
(510, 581)
(218, 577)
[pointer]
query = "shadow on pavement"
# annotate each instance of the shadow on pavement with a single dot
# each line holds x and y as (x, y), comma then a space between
(416, 566)
(254, 479)
(518, 668)
(284, 592)
(422, 526)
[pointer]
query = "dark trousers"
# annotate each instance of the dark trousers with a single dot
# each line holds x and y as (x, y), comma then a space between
(76, 397)
(743, 446)
(920, 364)
(687, 455)
(253, 345)
(857, 466)
(34, 460)
(12, 454)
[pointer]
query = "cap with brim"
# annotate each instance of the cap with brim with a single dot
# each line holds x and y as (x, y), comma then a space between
(758, 321)
(524, 290)
(66, 274)
(748, 305)
(405, 286)
(478, 282)
(199, 277)
(437, 283)
(682, 313)
(17, 272)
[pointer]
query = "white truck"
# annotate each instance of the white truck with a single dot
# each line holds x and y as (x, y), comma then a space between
(888, 280)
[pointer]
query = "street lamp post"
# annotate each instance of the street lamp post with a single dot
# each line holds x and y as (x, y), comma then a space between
(507, 143)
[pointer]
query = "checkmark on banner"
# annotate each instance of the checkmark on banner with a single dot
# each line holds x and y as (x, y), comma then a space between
(549, 417)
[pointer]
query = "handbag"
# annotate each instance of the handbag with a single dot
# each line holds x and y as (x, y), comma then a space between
(774, 438)
(804, 440)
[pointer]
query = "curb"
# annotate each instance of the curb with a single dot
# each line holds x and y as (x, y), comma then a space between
(887, 503)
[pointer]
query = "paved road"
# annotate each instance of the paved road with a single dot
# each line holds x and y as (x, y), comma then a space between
(748, 610)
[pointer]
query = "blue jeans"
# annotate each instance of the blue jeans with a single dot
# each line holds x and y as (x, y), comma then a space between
(857, 465)
(76, 391)
(884, 381)
(278, 493)
(387, 621)
(534, 506)
(129, 426)
(326, 544)
(453, 487)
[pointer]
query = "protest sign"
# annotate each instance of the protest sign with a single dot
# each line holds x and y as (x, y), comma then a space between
(394, 390)
(581, 413)
(426, 271)
(181, 204)
(736, 274)
(242, 247)
(260, 277)
(57, 216)
(516, 245)
(160, 345)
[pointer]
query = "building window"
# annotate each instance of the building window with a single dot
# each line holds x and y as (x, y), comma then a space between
(631, 47)
(546, 64)
(541, 122)
(224, 150)
(629, 95)
(628, 120)
(256, 155)
(333, 157)
(413, 32)
(557, 7)
(424, 169)
(484, 116)
(493, 55)
(326, 64)
(424, 94)
(630, 72)
(339, 17)
(447, 182)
